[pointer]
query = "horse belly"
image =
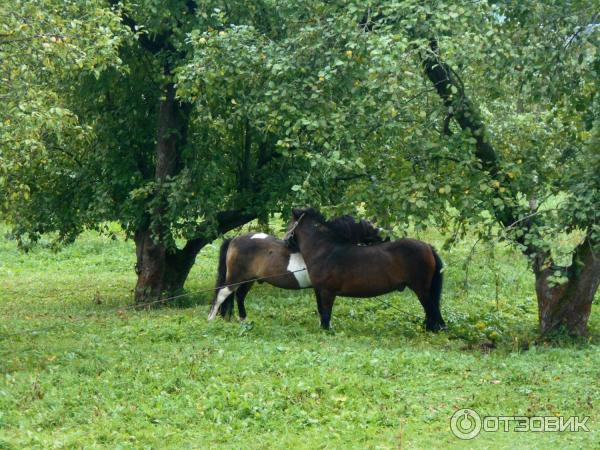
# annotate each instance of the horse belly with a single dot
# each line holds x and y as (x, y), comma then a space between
(368, 282)
(287, 281)
(365, 293)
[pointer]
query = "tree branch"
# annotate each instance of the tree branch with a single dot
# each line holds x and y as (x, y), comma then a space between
(155, 44)
(226, 221)
(451, 90)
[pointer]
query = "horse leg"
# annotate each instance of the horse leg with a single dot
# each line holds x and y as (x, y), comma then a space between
(434, 304)
(319, 307)
(434, 295)
(241, 297)
(222, 295)
(431, 305)
(226, 308)
(327, 299)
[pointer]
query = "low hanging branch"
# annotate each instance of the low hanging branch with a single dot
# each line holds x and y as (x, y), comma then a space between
(452, 92)
(181, 261)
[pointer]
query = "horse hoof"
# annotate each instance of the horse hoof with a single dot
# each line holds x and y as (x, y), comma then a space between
(435, 327)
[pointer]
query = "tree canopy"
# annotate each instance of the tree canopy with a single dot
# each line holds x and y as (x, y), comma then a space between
(185, 119)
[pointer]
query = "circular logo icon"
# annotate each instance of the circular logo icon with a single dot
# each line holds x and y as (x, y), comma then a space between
(465, 424)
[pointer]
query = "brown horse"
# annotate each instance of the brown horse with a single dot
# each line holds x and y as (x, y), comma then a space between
(336, 267)
(262, 257)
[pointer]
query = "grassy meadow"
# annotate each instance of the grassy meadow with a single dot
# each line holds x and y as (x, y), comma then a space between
(96, 376)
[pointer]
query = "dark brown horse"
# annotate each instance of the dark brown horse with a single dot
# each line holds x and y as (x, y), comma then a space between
(336, 267)
(262, 257)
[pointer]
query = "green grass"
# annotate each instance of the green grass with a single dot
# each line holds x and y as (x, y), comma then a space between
(100, 378)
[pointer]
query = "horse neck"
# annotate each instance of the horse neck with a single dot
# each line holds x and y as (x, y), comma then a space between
(313, 244)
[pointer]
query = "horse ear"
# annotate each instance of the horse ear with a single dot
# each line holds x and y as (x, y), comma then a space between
(296, 213)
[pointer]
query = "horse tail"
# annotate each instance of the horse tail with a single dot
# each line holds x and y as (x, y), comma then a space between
(227, 305)
(435, 291)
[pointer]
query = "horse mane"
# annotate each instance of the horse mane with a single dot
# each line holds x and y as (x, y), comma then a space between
(346, 228)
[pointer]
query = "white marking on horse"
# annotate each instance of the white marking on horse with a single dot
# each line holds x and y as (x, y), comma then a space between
(221, 297)
(259, 236)
(296, 265)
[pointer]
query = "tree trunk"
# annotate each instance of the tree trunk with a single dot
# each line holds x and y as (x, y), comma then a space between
(150, 248)
(568, 304)
(179, 264)
(150, 267)
(163, 271)
(160, 269)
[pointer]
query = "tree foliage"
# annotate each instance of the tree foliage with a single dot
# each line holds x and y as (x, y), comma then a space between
(172, 116)
(46, 49)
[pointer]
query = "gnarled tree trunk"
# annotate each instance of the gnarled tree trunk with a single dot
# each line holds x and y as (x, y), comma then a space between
(161, 270)
(150, 267)
(567, 304)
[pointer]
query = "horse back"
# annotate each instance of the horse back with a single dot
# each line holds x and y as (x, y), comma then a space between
(365, 271)
(258, 255)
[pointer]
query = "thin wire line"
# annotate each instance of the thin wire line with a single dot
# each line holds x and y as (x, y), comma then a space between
(164, 300)
(146, 305)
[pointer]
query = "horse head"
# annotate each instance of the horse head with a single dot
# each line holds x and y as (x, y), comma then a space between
(344, 228)
(290, 238)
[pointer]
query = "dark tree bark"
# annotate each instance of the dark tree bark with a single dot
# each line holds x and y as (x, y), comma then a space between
(566, 305)
(159, 268)
(180, 262)
(451, 90)
(151, 251)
